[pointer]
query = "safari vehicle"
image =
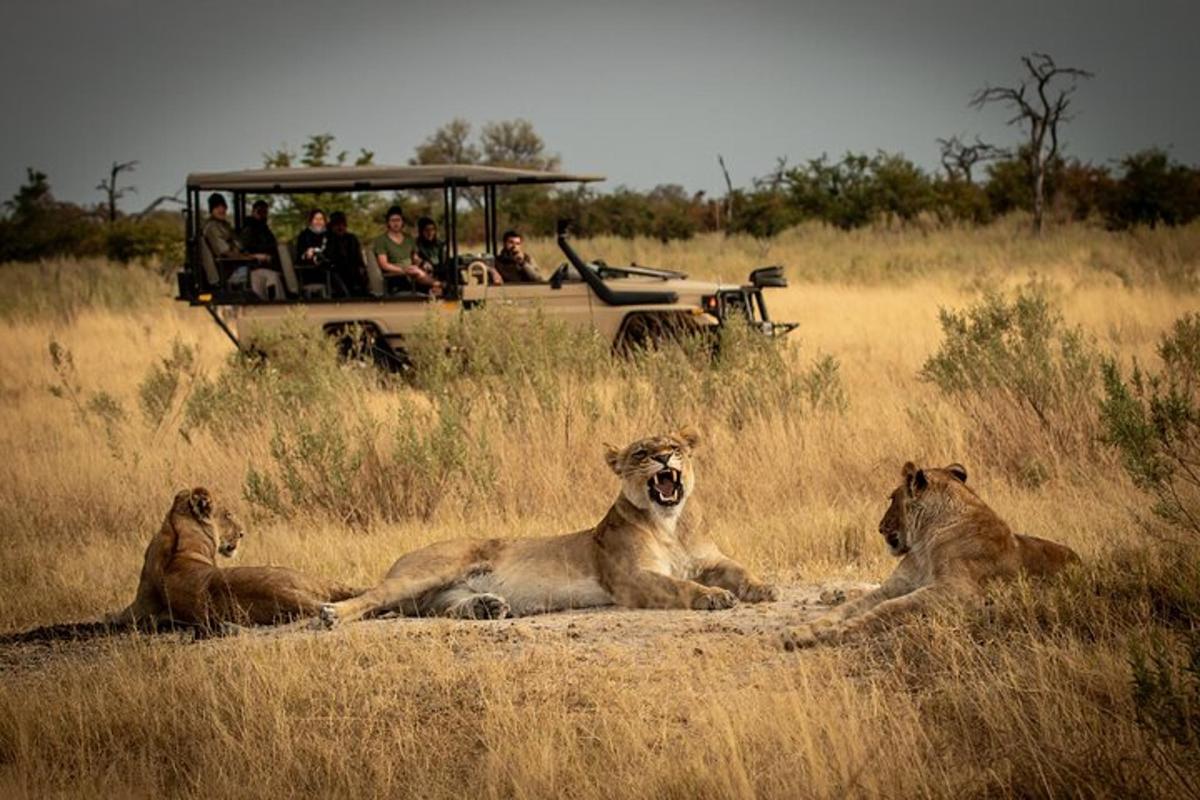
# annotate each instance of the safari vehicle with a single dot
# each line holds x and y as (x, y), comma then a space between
(629, 305)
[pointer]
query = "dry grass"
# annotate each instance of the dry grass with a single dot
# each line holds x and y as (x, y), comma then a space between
(1032, 699)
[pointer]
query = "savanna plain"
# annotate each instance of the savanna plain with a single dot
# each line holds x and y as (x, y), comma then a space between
(115, 397)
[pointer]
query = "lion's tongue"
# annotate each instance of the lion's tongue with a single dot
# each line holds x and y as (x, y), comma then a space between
(664, 482)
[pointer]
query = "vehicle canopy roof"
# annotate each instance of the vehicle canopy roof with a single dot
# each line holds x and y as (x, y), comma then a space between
(374, 177)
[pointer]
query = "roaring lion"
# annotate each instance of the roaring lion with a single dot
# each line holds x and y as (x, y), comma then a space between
(639, 556)
(951, 543)
(181, 583)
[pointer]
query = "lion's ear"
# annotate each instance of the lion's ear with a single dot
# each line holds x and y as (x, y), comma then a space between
(612, 457)
(914, 478)
(958, 471)
(201, 504)
(689, 436)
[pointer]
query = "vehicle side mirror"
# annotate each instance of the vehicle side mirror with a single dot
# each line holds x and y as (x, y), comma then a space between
(768, 277)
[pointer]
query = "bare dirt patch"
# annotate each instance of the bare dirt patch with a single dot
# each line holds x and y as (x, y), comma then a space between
(637, 634)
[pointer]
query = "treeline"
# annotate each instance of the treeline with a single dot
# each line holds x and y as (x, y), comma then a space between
(1146, 188)
(34, 225)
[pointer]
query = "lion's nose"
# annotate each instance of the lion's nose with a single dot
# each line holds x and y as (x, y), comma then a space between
(663, 458)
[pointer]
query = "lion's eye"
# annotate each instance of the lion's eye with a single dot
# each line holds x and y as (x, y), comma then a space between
(640, 455)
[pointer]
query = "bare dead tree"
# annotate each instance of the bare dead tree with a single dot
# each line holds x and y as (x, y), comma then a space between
(110, 188)
(153, 205)
(959, 158)
(1040, 101)
(728, 192)
(778, 176)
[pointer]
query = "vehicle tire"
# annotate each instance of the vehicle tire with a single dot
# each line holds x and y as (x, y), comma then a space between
(648, 331)
(363, 344)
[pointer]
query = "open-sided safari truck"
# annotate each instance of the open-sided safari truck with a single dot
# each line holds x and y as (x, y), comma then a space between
(627, 305)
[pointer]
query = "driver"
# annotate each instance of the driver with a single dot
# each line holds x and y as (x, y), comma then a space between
(513, 264)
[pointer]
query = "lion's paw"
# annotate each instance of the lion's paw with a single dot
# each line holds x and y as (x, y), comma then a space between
(811, 634)
(760, 593)
(327, 617)
(715, 600)
(799, 638)
(487, 606)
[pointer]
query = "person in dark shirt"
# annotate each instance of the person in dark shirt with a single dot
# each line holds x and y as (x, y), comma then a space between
(427, 252)
(310, 244)
(513, 264)
(345, 257)
(312, 265)
(256, 237)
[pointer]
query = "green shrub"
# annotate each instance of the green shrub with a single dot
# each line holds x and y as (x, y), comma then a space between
(1026, 380)
(1153, 421)
(1166, 688)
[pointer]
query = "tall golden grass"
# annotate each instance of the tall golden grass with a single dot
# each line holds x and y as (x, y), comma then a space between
(1030, 697)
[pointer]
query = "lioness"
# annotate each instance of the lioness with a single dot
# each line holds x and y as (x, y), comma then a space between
(181, 581)
(638, 556)
(951, 545)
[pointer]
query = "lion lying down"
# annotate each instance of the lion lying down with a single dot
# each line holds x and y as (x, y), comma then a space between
(952, 544)
(181, 583)
(637, 557)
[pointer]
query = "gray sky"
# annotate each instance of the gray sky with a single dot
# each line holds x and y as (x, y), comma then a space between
(643, 92)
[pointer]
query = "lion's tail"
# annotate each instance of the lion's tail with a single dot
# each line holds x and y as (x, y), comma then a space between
(63, 631)
(110, 625)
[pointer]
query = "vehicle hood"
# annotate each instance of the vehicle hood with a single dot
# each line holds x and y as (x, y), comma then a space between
(684, 287)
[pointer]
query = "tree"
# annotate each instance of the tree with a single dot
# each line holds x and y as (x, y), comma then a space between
(507, 143)
(318, 151)
(959, 158)
(514, 143)
(449, 144)
(114, 192)
(32, 198)
(1153, 189)
(1041, 102)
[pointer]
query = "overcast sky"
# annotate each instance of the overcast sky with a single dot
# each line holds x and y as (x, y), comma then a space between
(643, 92)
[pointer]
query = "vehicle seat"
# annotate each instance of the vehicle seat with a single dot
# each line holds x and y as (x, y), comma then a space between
(289, 275)
(375, 284)
(209, 264)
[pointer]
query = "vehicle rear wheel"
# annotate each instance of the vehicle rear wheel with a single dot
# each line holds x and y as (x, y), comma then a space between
(364, 344)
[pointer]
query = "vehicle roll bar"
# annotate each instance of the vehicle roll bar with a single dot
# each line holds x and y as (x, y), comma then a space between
(602, 290)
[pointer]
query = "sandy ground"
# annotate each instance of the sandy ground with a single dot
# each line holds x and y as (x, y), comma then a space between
(591, 633)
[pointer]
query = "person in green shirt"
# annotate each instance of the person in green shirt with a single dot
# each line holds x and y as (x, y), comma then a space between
(395, 256)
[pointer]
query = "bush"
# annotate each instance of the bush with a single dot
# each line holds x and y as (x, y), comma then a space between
(1153, 190)
(1025, 379)
(1153, 421)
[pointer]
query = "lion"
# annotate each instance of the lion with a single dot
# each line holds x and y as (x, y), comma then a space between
(181, 580)
(181, 583)
(638, 556)
(951, 545)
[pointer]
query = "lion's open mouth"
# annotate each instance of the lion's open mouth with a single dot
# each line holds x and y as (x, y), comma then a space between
(665, 487)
